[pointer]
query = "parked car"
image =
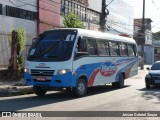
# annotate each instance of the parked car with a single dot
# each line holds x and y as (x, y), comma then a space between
(153, 76)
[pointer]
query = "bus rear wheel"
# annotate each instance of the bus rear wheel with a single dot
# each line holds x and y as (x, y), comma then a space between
(39, 91)
(120, 83)
(81, 88)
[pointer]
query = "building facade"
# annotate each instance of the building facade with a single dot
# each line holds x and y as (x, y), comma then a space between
(156, 44)
(48, 12)
(15, 14)
(148, 45)
(86, 10)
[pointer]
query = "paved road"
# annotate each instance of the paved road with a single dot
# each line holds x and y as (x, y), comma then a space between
(133, 97)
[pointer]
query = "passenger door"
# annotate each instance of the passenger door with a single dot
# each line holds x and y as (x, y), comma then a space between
(85, 61)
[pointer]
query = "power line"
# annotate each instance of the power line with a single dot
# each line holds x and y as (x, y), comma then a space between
(156, 36)
(109, 3)
(34, 6)
(155, 24)
(17, 5)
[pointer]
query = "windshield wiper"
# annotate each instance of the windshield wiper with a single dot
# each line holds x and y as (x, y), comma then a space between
(52, 57)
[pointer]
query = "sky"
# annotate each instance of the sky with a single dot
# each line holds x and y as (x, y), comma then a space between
(152, 11)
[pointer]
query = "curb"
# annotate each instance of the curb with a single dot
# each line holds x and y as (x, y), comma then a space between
(15, 90)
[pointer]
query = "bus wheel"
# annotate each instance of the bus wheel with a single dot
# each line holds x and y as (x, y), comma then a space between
(81, 88)
(39, 91)
(120, 82)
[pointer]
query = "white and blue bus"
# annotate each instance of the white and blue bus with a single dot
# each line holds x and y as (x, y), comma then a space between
(76, 59)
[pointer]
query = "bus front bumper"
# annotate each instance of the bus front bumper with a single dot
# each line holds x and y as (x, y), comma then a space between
(65, 80)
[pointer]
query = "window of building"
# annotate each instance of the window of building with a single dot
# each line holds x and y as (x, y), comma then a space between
(70, 6)
(103, 48)
(20, 13)
(123, 49)
(84, 14)
(62, 6)
(93, 16)
(92, 48)
(131, 50)
(0, 9)
(114, 48)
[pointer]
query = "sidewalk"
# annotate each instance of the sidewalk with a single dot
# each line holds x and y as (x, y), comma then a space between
(142, 73)
(14, 89)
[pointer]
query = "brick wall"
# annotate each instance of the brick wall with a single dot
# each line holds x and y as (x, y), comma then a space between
(48, 14)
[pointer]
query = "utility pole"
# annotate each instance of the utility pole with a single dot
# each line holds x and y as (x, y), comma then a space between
(103, 16)
(143, 34)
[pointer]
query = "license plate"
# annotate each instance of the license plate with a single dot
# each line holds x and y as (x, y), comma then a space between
(157, 81)
(41, 78)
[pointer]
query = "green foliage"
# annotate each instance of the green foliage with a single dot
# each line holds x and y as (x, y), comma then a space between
(72, 21)
(20, 62)
(21, 39)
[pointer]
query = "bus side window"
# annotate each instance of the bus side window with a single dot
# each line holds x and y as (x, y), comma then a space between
(114, 48)
(103, 47)
(83, 46)
(131, 50)
(123, 49)
(92, 48)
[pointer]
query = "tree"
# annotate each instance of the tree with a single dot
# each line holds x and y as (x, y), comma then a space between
(72, 21)
(17, 46)
(21, 41)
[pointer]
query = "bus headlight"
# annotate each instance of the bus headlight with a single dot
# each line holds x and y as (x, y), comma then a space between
(62, 72)
(26, 70)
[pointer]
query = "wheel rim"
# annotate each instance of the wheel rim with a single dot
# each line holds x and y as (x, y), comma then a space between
(81, 88)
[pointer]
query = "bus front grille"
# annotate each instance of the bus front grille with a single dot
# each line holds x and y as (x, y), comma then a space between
(42, 72)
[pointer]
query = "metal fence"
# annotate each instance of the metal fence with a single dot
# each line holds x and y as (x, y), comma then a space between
(5, 48)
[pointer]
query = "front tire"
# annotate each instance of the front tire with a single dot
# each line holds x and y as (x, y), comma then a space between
(81, 88)
(39, 91)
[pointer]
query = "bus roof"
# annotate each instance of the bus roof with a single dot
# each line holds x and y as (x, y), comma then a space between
(97, 34)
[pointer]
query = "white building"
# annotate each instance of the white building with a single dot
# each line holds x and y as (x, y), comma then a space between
(15, 14)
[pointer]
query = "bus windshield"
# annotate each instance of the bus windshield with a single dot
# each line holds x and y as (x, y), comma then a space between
(55, 45)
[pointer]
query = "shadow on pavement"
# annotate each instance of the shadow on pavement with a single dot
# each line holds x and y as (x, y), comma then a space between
(151, 93)
(17, 104)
